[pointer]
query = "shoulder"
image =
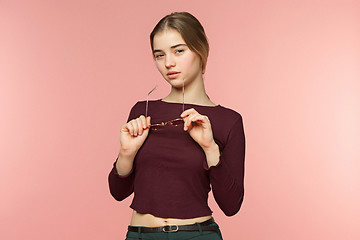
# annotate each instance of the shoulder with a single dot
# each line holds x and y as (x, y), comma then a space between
(225, 115)
(225, 122)
(138, 105)
(228, 113)
(137, 109)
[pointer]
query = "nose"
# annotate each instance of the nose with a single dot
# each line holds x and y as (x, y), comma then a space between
(169, 62)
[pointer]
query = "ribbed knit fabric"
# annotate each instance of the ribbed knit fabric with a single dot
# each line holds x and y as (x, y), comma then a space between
(170, 177)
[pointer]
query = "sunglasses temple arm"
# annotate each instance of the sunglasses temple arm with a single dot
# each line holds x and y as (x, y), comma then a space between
(147, 103)
(183, 94)
(147, 100)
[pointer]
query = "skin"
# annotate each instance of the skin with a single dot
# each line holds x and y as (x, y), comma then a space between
(171, 54)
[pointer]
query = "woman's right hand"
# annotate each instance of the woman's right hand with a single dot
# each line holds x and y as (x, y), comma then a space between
(133, 134)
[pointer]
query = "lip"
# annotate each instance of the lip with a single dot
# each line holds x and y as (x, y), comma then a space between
(173, 74)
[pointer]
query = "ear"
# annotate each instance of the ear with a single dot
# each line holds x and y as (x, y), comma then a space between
(202, 67)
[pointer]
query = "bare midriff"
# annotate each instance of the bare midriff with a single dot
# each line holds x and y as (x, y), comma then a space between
(148, 220)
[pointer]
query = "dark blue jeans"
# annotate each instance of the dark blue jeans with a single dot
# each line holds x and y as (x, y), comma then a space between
(180, 235)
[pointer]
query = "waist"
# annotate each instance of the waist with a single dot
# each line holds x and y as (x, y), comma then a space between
(149, 220)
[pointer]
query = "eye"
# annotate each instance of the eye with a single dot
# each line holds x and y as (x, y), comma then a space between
(157, 56)
(179, 50)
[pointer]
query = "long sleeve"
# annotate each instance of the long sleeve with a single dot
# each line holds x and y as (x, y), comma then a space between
(227, 177)
(122, 186)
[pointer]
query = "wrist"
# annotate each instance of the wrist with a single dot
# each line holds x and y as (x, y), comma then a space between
(124, 163)
(127, 153)
(211, 148)
(212, 155)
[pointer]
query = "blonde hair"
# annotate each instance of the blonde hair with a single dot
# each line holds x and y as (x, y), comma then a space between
(191, 31)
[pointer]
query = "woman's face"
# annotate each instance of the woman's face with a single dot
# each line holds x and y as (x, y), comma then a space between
(174, 60)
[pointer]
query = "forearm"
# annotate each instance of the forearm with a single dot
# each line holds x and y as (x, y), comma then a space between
(226, 172)
(228, 190)
(121, 177)
(124, 163)
(212, 154)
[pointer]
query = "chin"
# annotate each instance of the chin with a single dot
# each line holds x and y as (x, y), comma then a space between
(175, 81)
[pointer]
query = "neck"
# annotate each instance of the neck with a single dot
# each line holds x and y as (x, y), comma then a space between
(194, 93)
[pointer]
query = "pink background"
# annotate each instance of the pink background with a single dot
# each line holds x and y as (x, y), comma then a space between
(71, 70)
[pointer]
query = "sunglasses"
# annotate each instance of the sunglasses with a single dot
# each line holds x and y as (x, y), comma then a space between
(159, 126)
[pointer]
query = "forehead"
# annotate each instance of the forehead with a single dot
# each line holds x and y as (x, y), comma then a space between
(167, 38)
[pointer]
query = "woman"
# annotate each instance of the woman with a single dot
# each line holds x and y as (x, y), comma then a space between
(169, 160)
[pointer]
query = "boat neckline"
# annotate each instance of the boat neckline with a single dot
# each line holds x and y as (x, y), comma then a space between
(160, 100)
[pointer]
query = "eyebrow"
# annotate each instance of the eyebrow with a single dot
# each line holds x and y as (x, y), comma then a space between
(172, 47)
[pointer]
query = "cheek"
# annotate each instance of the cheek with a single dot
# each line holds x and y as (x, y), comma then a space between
(194, 58)
(159, 66)
(194, 61)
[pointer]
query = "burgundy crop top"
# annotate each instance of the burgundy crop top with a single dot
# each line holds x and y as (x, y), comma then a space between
(170, 177)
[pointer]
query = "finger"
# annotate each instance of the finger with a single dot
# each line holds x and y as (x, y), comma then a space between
(135, 127)
(140, 120)
(139, 127)
(148, 121)
(130, 127)
(143, 121)
(198, 119)
(189, 121)
(124, 128)
(188, 112)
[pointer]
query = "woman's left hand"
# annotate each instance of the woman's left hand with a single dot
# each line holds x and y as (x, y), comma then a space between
(199, 128)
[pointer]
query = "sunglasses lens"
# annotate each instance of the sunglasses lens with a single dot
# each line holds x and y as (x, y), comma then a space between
(176, 122)
(156, 127)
